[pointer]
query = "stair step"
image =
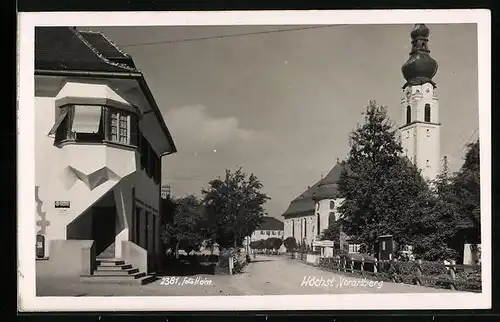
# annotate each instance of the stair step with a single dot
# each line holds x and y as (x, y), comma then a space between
(116, 272)
(114, 267)
(138, 279)
(110, 262)
(148, 279)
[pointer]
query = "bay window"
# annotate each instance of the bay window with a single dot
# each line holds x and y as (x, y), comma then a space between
(105, 124)
(95, 123)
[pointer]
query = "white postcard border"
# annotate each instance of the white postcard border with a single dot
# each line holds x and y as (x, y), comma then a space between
(27, 299)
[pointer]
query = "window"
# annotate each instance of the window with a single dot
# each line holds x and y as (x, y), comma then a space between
(407, 134)
(268, 232)
(293, 229)
(305, 227)
(331, 218)
(383, 245)
(150, 161)
(408, 114)
(427, 163)
(119, 127)
(427, 113)
(274, 232)
(354, 248)
(94, 123)
(332, 204)
(262, 232)
(428, 132)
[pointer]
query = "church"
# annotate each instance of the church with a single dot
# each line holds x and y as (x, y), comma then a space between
(313, 210)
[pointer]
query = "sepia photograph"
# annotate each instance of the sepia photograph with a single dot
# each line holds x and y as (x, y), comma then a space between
(214, 161)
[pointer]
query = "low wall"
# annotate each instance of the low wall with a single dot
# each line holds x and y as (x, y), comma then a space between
(68, 258)
(135, 255)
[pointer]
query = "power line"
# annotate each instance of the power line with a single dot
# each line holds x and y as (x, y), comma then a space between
(470, 140)
(225, 36)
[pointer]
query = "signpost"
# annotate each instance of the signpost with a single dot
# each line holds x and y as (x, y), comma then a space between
(323, 243)
(231, 265)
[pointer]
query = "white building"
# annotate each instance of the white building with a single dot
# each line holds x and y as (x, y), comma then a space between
(99, 141)
(420, 129)
(269, 228)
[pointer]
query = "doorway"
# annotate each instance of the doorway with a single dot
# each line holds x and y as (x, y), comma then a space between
(104, 230)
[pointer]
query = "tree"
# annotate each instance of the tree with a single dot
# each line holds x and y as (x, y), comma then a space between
(234, 207)
(382, 190)
(185, 230)
(332, 232)
(290, 244)
(467, 188)
(453, 216)
(274, 243)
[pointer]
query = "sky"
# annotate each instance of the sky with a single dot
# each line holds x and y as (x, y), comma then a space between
(281, 105)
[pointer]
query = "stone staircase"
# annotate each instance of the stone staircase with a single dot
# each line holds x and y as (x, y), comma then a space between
(117, 271)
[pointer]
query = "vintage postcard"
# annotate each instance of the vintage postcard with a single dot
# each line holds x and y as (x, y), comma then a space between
(322, 160)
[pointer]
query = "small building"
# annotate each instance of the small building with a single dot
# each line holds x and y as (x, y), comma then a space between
(100, 137)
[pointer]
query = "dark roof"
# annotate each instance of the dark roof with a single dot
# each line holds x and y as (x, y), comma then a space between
(303, 204)
(65, 48)
(325, 188)
(271, 223)
(107, 48)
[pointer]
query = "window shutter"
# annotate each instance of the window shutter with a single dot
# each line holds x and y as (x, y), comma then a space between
(144, 153)
(134, 130)
(59, 121)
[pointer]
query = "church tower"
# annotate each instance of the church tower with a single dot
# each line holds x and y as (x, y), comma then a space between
(420, 127)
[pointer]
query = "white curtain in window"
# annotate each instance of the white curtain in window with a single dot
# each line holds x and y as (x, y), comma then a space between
(87, 118)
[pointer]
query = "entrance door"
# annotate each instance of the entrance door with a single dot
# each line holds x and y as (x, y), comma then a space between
(104, 230)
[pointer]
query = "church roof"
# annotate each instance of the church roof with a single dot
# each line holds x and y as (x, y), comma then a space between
(325, 188)
(303, 205)
(420, 67)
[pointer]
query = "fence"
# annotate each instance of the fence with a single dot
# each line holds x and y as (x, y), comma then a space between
(432, 274)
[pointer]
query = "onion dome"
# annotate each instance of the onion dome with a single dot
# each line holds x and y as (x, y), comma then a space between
(420, 67)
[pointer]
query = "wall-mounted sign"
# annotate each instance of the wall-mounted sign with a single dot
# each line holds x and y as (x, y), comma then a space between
(62, 204)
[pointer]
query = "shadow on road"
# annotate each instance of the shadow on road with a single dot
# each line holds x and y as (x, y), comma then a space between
(185, 268)
(260, 260)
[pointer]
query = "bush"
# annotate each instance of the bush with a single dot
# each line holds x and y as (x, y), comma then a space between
(239, 266)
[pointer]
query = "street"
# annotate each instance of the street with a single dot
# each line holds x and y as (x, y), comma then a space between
(266, 275)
